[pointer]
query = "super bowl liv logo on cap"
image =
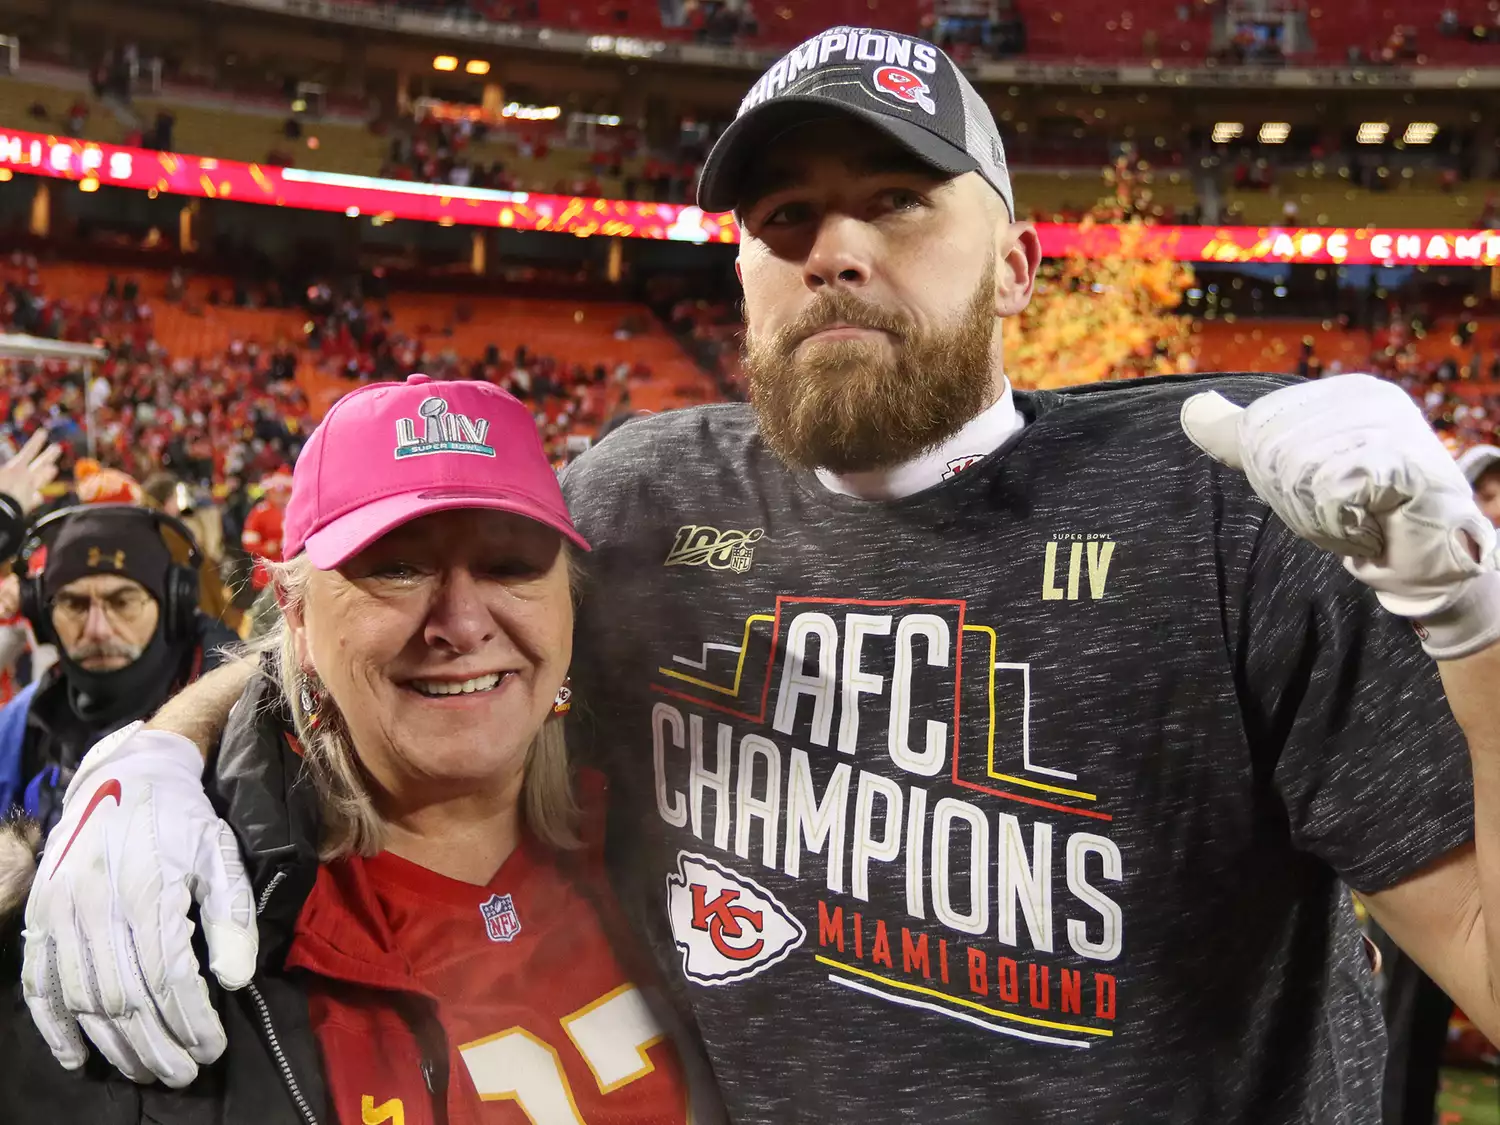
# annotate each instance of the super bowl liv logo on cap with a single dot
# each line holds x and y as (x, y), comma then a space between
(442, 432)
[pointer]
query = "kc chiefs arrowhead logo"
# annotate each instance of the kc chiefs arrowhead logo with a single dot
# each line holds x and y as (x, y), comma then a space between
(728, 927)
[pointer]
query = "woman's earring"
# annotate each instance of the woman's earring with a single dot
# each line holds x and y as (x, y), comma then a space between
(312, 703)
(564, 701)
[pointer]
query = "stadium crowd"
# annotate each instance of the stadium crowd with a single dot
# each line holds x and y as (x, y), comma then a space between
(228, 419)
(208, 420)
(447, 151)
(232, 418)
(356, 338)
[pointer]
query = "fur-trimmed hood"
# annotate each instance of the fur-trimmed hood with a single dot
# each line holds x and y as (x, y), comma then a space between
(20, 840)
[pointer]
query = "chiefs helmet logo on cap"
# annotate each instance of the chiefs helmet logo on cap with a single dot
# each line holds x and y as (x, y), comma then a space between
(905, 86)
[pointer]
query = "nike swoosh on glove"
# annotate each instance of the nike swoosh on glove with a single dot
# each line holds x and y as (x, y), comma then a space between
(1349, 464)
(108, 941)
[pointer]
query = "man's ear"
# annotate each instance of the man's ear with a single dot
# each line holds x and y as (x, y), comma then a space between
(1018, 256)
(738, 271)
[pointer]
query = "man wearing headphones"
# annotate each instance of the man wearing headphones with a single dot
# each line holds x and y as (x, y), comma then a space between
(100, 582)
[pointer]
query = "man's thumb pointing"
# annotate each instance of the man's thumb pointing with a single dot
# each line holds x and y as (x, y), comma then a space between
(1212, 423)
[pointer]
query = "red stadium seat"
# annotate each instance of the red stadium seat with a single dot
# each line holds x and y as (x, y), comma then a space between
(1109, 29)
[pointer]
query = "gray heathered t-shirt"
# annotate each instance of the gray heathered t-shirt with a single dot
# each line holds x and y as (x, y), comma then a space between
(1025, 799)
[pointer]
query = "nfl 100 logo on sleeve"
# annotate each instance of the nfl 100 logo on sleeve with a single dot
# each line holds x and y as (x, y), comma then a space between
(501, 921)
(699, 545)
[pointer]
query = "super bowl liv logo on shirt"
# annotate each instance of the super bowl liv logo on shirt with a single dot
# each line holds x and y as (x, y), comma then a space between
(443, 431)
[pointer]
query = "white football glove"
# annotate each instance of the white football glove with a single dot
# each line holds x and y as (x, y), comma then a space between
(108, 940)
(1350, 465)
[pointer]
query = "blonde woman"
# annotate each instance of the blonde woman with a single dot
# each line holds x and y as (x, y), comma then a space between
(436, 944)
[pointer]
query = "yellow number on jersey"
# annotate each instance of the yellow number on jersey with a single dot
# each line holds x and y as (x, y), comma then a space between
(372, 1114)
(611, 1035)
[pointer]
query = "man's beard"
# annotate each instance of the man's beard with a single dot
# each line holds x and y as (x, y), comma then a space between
(845, 406)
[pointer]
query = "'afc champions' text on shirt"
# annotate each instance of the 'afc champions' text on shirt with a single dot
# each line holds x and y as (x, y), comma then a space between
(870, 709)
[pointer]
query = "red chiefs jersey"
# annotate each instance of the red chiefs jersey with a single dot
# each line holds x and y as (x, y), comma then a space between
(262, 538)
(543, 1023)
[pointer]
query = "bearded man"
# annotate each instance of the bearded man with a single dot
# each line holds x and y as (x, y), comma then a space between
(108, 593)
(974, 755)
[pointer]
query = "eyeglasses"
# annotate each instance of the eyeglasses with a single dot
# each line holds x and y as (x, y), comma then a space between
(123, 607)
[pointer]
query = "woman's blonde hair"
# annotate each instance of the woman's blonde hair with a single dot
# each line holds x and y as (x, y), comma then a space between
(351, 823)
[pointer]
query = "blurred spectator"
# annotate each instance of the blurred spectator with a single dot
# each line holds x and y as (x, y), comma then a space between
(78, 114)
(159, 136)
(95, 484)
(176, 498)
(1481, 467)
(261, 538)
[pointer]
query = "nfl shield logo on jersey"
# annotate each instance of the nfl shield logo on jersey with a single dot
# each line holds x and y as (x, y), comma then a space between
(501, 921)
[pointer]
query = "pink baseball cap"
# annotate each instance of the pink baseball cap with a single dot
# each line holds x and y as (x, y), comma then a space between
(390, 453)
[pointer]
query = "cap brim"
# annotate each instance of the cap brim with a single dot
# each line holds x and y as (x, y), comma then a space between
(335, 544)
(723, 177)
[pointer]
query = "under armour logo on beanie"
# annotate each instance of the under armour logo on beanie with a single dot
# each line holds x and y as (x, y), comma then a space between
(101, 541)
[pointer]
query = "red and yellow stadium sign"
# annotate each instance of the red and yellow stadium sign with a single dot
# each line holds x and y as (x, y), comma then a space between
(1342, 246)
(93, 164)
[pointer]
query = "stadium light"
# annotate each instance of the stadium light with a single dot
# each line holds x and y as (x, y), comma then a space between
(445, 62)
(1372, 133)
(1275, 132)
(1420, 133)
(476, 66)
(531, 112)
(1226, 131)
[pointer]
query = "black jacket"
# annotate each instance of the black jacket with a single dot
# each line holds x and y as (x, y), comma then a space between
(270, 1074)
(55, 738)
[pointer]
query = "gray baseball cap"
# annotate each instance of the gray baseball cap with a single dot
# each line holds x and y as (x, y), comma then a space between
(905, 87)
